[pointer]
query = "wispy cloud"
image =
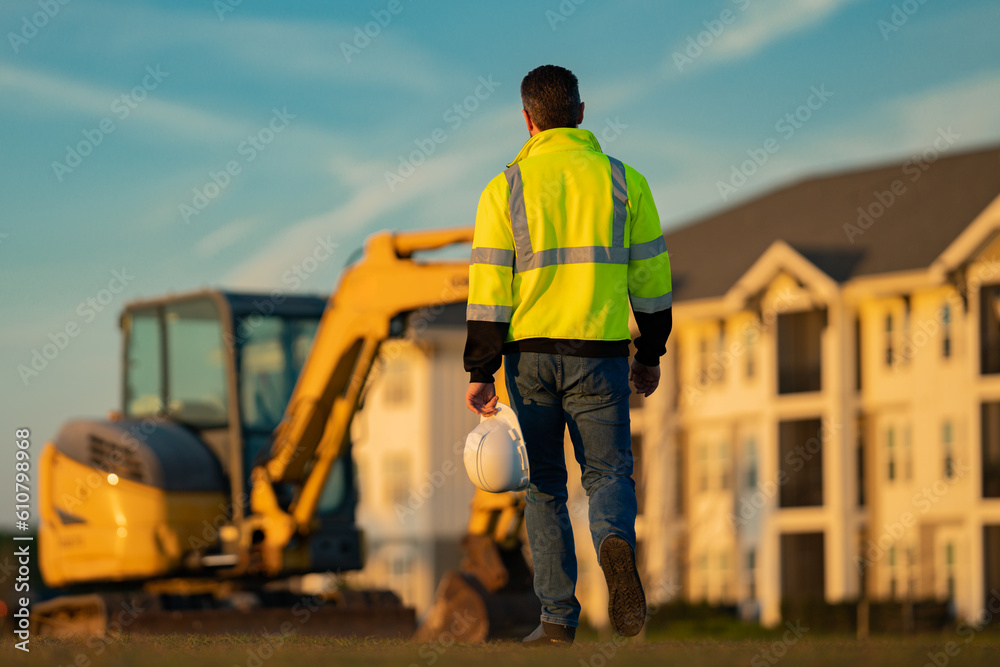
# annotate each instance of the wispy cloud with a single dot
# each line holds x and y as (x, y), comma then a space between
(224, 237)
(907, 123)
(414, 203)
(757, 26)
(767, 22)
(45, 92)
(258, 48)
(891, 130)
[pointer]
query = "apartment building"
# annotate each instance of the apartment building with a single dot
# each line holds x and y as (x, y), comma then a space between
(830, 425)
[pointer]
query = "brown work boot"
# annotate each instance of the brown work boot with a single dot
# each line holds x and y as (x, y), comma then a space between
(626, 600)
(550, 634)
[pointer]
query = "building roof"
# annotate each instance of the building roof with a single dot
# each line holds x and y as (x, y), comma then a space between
(708, 256)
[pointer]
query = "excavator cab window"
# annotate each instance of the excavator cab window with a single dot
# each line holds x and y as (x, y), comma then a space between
(176, 364)
(271, 358)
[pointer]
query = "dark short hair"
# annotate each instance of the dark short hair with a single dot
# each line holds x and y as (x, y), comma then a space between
(551, 96)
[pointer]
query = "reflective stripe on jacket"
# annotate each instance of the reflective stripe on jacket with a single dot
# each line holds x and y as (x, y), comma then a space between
(564, 239)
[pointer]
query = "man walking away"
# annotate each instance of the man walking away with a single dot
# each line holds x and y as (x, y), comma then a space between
(565, 238)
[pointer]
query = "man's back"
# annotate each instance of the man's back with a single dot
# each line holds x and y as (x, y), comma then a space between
(553, 259)
(566, 237)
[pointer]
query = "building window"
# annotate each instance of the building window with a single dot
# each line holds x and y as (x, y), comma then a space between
(946, 331)
(703, 468)
(752, 573)
(860, 461)
(857, 353)
(911, 561)
(720, 351)
(892, 573)
(889, 349)
(680, 472)
(991, 449)
(949, 561)
(398, 381)
(751, 464)
(891, 448)
(396, 473)
(802, 564)
(639, 472)
(907, 454)
(724, 466)
(989, 329)
(703, 361)
(751, 339)
(801, 463)
(800, 351)
(949, 455)
(991, 562)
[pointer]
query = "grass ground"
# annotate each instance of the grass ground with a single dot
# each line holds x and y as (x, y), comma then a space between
(254, 651)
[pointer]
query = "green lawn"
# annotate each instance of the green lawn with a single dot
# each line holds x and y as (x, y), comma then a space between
(253, 651)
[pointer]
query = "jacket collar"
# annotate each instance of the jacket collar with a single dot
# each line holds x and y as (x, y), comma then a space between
(558, 139)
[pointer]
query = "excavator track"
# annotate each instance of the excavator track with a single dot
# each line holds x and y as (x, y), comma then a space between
(362, 613)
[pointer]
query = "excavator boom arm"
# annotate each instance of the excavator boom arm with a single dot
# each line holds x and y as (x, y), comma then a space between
(385, 283)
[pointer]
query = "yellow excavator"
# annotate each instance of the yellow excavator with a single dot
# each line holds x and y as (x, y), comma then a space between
(221, 498)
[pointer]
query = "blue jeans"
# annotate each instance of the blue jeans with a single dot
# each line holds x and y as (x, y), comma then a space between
(590, 395)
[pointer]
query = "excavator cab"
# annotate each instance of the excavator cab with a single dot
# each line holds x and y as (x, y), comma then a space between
(206, 378)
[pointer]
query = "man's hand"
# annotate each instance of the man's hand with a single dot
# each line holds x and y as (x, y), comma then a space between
(481, 398)
(645, 378)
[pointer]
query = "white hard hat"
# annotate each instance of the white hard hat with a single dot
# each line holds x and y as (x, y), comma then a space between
(495, 456)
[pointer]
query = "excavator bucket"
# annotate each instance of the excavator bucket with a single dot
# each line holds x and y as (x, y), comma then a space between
(491, 597)
(465, 611)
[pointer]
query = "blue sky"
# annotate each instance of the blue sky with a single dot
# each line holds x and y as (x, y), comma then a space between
(310, 116)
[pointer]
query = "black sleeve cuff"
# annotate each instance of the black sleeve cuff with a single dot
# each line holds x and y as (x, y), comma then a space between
(484, 349)
(654, 329)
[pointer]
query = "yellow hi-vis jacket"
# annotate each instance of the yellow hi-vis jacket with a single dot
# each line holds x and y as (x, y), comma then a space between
(565, 238)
